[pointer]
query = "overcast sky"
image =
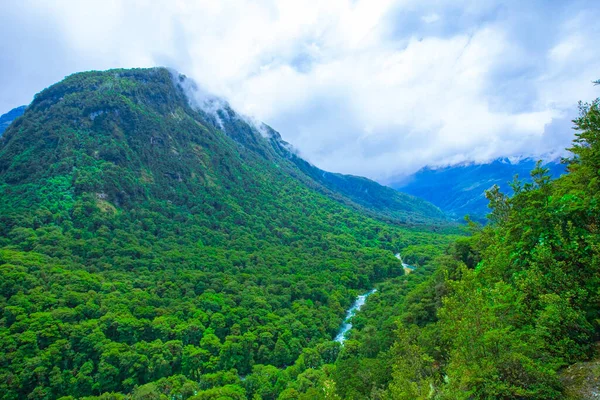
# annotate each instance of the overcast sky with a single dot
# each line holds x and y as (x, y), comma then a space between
(368, 87)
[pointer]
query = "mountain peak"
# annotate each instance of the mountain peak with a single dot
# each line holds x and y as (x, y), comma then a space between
(142, 130)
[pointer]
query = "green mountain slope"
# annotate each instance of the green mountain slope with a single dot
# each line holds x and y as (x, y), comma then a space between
(143, 240)
(510, 312)
(380, 201)
(361, 193)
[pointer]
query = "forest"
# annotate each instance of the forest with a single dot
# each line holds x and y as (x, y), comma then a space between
(149, 250)
(146, 248)
(502, 312)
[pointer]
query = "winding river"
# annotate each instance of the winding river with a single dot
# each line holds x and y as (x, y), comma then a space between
(346, 325)
(359, 302)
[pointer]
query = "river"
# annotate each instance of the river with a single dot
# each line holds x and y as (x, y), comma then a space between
(346, 325)
(407, 268)
(360, 301)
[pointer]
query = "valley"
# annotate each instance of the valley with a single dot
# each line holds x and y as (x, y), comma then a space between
(155, 244)
(145, 243)
(347, 325)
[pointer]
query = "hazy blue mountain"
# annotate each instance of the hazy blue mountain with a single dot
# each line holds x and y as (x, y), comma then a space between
(459, 190)
(9, 117)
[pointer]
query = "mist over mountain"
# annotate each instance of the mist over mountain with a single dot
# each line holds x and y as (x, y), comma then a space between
(368, 195)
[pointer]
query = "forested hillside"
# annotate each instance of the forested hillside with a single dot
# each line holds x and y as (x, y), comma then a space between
(149, 248)
(380, 201)
(503, 312)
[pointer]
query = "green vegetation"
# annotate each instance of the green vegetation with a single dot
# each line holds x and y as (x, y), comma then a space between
(148, 251)
(502, 312)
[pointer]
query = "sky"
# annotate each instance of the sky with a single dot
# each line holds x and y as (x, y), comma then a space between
(377, 88)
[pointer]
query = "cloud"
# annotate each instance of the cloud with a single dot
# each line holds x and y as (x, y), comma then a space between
(376, 88)
(430, 18)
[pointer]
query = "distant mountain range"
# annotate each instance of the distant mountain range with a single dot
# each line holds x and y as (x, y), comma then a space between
(9, 117)
(460, 189)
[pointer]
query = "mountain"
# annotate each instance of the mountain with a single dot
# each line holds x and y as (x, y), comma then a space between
(154, 242)
(9, 117)
(377, 200)
(459, 190)
(358, 192)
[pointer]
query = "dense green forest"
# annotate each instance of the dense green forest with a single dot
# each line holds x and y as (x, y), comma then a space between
(149, 248)
(501, 313)
(152, 250)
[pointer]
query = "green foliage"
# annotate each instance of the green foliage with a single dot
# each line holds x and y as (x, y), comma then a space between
(504, 310)
(148, 252)
(412, 376)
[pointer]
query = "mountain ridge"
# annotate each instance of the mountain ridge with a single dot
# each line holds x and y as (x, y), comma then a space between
(382, 201)
(459, 189)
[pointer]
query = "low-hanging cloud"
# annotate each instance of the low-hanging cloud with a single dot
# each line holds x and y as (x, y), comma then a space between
(369, 87)
(214, 107)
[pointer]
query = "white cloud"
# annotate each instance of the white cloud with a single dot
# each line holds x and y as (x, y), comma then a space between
(376, 88)
(430, 18)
